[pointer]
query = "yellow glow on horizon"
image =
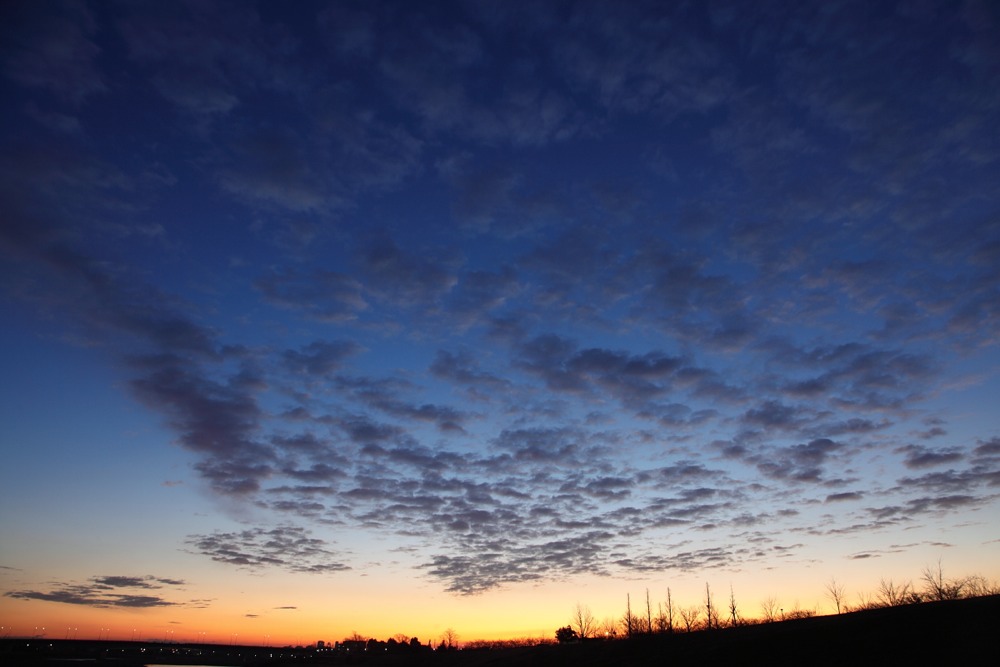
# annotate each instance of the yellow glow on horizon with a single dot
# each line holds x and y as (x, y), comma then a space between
(249, 609)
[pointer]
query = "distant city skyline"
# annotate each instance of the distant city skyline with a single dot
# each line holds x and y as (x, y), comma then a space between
(395, 318)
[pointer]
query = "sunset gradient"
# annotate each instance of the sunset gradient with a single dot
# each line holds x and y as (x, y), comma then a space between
(400, 317)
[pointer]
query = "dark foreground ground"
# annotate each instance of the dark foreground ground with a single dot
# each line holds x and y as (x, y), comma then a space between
(960, 632)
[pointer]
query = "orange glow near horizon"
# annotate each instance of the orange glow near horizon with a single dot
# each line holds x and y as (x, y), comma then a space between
(524, 611)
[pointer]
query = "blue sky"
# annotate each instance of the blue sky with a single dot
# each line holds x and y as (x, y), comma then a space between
(489, 297)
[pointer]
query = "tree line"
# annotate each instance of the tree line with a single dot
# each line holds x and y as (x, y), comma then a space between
(666, 616)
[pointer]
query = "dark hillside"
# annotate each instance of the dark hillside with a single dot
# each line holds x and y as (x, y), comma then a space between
(945, 633)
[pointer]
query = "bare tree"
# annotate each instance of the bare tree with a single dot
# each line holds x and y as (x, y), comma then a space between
(734, 618)
(938, 588)
(690, 616)
(449, 638)
(583, 621)
(891, 594)
(769, 610)
(610, 627)
(663, 620)
(836, 593)
(628, 621)
(670, 611)
(865, 601)
(711, 613)
(649, 615)
(977, 585)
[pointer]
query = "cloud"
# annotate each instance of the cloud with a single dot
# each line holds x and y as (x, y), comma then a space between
(322, 295)
(988, 449)
(632, 379)
(462, 367)
(530, 357)
(54, 50)
(402, 277)
(134, 582)
(799, 463)
(320, 357)
(216, 420)
(920, 457)
(197, 68)
(478, 293)
(846, 495)
(556, 558)
(285, 547)
(107, 592)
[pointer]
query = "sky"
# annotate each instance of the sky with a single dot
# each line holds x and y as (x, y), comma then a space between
(398, 317)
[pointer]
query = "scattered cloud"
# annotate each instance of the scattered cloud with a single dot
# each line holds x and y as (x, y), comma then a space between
(536, 311)
(286, 547)
(108, 591)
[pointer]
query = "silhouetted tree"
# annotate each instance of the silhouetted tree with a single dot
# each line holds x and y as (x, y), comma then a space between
(610, 627)
(892, 594)
(865, 601)
(734, 618)
(769, 610)
(661, 618)
(711, 613)
(665, 619)
(649, 615)
(566, 634)
(690, 617)
(449, 638)
(938, 588)
(670, 611)
(977, 585)
(583, 621)
(628, 621)
(836, 593)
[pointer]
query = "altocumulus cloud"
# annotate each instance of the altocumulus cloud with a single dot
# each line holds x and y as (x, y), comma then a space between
(286, 547)
(111, 591)
(423, 311)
